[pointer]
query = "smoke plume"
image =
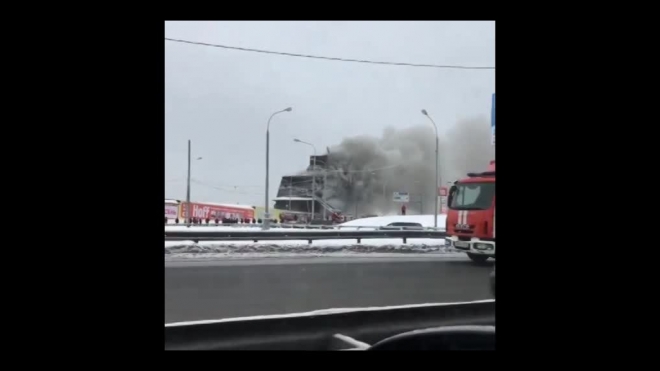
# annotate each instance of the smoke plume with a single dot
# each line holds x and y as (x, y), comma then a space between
(368, 170)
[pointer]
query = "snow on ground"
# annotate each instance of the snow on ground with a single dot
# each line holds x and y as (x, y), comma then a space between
(380, 221)
(325, 247)
(347, 247)
(247, 256)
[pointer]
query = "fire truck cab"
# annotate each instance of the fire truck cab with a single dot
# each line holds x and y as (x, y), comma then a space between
(470, 222)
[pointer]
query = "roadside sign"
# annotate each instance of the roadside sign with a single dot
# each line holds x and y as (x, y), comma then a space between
(442, 191)
(401, 197)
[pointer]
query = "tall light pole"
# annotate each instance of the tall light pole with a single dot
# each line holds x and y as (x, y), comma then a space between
(266, 224)
(188, 212)
(313, 174)
(437, 178)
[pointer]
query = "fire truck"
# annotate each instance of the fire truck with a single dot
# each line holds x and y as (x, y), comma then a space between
(470, 222)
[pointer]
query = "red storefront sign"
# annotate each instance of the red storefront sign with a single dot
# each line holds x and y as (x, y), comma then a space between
(213, 211)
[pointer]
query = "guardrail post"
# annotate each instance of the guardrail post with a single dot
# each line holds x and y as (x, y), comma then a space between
(404, 240)
(359, 240)
(309, 242)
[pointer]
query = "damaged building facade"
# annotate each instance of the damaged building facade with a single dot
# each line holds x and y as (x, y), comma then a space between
(299, 194)
(337, 191)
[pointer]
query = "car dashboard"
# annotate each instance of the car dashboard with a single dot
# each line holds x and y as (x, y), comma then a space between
(444, 326)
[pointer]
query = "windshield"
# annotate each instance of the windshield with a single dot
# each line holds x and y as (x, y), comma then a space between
(307, 164)
(472, 196)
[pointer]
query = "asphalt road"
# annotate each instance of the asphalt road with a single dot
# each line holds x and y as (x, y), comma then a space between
(222, 289)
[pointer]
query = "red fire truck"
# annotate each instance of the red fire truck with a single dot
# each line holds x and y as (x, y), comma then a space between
(470, 222)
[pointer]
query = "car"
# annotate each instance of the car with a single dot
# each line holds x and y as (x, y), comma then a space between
(402, 226)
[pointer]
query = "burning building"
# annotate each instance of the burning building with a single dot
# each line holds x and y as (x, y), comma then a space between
(300, 194)
(359, 176)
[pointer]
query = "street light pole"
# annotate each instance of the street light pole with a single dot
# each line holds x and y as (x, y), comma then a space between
(266, 224)
(188, 190)
(437, 178)
(313, 175)
(188, 209)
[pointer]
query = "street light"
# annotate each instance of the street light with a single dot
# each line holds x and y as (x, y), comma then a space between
(313, 175)
(188, 212)
(266, 224)
(437, 178)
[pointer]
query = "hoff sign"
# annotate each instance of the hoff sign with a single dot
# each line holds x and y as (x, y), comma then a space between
(209, 211)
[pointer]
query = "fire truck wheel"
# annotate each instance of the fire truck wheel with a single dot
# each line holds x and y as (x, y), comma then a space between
(477, 258)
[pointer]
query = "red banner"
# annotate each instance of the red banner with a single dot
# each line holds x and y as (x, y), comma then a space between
(210, 211)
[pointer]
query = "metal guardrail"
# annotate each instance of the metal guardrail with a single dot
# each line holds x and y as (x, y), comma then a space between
(308, 235)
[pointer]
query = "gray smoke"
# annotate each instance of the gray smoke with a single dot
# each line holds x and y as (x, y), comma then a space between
(368, 169)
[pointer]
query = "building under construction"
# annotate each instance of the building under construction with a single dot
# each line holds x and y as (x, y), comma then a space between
(299, 195)
(334, 188)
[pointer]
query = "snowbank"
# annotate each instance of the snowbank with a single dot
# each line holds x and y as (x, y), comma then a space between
(418, 246)
(310, 254)
(381, 221)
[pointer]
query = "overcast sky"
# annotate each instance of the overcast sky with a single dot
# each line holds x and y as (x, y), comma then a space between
(221, 99)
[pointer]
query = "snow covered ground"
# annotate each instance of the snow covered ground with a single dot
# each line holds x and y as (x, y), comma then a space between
(421, 245)
(178, 257)
(371, 247)
(380, 221)
(184, 250)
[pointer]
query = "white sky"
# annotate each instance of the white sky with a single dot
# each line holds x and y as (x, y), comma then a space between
(221, 99)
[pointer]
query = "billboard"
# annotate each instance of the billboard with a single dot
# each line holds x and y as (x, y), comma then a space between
(492, 122)
(401, 197)
(171, 211)
(213, 211)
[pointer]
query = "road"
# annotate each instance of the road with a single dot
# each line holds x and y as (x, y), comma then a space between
(197, 290)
